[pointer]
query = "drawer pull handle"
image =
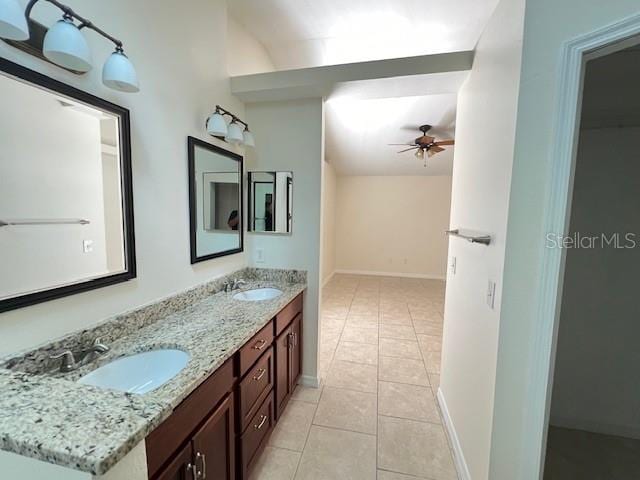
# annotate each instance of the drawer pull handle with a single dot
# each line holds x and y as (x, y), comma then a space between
(259, 345)
(262, 422)
(203, 459)
(258, 377)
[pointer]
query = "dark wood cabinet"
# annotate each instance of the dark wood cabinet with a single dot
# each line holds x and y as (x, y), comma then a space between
(220, 430)
(288, 362)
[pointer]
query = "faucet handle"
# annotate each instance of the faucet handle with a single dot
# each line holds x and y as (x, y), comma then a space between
(68, 360)
(100, 347)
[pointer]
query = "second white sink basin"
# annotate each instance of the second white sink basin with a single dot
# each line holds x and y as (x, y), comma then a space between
(140, 373)
(258, 294)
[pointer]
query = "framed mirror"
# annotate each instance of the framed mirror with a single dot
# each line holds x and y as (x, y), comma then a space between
(66, 206)
(215, 201)
(270, 202)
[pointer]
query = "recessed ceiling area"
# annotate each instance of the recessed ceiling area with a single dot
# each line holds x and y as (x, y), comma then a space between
(358, 131)
(305, 33)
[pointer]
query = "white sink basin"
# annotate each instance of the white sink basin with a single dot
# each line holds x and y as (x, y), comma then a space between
(140, 373)
(258, 294)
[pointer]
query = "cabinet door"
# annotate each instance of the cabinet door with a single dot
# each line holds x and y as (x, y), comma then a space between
(283, 343)
(214, 444)
(295, 355)
(179, 468)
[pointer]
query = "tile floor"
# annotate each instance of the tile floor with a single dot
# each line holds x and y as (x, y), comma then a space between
(375, 415)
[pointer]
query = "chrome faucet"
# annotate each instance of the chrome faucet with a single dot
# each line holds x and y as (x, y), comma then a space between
(69, 362)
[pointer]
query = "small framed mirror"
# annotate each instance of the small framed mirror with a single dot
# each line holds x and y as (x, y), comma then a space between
(66, 206)
(270, 202)
(215, 201)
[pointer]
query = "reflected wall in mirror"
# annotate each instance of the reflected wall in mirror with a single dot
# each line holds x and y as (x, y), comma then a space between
(66, 209)
(270, 202)
(215, 201)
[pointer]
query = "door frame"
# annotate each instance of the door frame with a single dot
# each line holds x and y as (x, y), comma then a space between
(574, 55)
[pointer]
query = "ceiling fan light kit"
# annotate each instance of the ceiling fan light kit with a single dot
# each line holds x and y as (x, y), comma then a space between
(425, 144)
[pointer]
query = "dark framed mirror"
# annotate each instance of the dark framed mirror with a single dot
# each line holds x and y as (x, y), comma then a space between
(66, 201)
(270, 202)
(215, 201)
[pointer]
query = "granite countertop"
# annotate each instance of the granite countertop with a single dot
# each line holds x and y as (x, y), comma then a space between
(52, 418)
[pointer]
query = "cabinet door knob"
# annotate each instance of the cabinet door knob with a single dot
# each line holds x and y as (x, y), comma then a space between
(259, 345)
(261, 372)
(262, 422)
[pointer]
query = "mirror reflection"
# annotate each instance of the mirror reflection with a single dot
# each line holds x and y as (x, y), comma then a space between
(270, 202)
(216, 201)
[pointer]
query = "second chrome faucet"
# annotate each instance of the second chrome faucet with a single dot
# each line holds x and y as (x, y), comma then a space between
(70, 361)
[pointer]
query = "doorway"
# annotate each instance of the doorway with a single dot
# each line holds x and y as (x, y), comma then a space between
(594, 415)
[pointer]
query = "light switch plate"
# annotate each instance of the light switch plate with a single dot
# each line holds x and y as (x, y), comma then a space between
(259, 255)
(87, 246)
(453, 265)
(491, 294)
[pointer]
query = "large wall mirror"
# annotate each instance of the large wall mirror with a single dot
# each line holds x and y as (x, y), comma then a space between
(270, 202)
(215, 201)
(66, 211)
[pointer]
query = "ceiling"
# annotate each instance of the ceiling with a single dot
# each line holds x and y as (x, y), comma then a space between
(306, 33)
(358, 132)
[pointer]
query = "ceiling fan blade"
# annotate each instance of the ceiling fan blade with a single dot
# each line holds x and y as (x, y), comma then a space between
(436, 149)
(430, 153)
(445, 142)
(400, 144)
(408, 149)
(425, 139)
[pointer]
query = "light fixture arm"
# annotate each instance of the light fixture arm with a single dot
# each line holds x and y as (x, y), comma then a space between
(84, 23)
(223, 111)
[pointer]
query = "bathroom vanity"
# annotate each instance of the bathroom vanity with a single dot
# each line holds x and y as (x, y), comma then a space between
(211, 420)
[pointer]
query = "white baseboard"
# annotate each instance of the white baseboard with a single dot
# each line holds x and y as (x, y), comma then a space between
(426, 276)
(458, 455)
(328, 278)
(627, 431)
(309, 381)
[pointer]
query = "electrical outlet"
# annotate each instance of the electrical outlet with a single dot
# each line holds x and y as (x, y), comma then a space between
(491, 294)
(87, 246)
(259, 255)
(453, 265)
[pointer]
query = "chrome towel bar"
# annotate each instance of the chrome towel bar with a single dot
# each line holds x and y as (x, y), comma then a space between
(482, 239)
(58, 221)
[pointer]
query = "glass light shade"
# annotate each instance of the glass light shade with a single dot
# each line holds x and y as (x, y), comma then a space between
(65, 45)
(217, 125)
(249, 141)
(13, 23)
(420, 153)
(118, 73)
(234, 135)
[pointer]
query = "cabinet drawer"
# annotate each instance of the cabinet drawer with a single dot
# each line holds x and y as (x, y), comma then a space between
(288, 313)
(255, 347)
(255, 387)
(255, 437)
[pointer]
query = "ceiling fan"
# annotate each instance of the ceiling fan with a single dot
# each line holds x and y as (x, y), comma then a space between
(425, 143)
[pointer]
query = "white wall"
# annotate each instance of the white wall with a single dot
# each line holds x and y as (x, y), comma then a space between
(329, 198)
(599, 329)
(485, 133)
(548, 25)
(182, 70)
(246, 55)
(392, 225)
(289, 137)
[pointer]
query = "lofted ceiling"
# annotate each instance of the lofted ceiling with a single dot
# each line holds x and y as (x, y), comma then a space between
(305, 33)
(358, 132)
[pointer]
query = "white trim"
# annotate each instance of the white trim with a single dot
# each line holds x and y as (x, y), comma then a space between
(309, 381)
(391, 274)
(555, 220)
(458, 455)
(324, 284)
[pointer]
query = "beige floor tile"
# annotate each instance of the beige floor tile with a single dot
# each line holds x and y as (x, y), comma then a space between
(395, 319)
(368, 334)
(434, 380)
(276, 464)
(429, 343)
(348, 410)
(394, 347)
(354, 376)
(337, 454)
(357, 353)
(403, 370)
(432, 361)
(307, 394)
(414, 448)
(427, 328)
(407, 401)
(293, 427)
(384, 475)
(362, 321)
(403, 332)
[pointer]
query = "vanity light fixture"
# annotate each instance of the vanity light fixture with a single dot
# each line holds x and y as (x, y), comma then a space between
(236, 132)
(64, 43)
